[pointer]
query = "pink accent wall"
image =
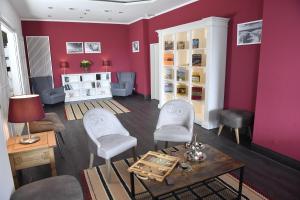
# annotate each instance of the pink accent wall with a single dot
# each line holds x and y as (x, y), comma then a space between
(113, 38)
(277, 125)
(242, 61)
(138, 31)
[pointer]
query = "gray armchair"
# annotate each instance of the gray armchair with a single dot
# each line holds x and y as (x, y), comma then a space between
(125, 84)
(43, 86)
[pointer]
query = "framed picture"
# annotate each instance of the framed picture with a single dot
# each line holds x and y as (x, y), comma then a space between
(92, 47)
(74, 47)
(249, 33)
(195, 43)
(169, 45)
(135, 46)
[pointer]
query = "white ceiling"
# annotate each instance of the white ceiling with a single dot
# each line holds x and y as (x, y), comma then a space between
(97, 11)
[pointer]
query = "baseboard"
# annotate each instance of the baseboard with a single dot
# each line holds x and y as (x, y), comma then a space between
(276, 156)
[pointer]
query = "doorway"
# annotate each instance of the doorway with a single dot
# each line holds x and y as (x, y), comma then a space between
(12, 60)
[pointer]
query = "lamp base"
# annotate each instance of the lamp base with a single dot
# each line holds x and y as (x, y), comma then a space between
(29, 140)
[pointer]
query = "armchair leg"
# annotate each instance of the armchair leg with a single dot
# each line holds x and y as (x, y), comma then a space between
(61, 137)
(237, 135)
(220, 129)
(108, 166)
(91, 160)
(155, 145)
(166, 144)
(134, 154)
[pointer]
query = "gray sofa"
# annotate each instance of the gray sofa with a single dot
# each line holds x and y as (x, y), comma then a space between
(43, 86)
(125, 84)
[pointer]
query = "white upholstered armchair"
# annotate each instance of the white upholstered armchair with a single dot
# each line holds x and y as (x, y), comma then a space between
(107, 136)
(175, 122)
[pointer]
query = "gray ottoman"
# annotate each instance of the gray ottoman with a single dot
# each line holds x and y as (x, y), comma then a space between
(236, 119)
(54, 188)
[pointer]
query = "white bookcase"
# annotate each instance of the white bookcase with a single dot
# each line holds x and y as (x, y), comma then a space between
(87, 86)
(192, 65)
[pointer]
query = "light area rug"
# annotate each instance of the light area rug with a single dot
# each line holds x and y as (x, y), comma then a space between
(75, 111)
(96, 186)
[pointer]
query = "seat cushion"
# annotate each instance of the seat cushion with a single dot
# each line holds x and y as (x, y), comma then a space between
(49, 123)
(236, 118)
(114, 144)
(54, 188)
(173, 133)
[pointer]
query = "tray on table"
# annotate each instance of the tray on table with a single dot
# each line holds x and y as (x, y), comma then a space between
(154, 165)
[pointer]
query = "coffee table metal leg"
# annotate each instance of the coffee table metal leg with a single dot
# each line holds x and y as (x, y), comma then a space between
(241, 183)
(132, 185)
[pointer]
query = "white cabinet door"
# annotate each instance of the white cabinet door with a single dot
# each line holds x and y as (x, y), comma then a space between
(154, 67)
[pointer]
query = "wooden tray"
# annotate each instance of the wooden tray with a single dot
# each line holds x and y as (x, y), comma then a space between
(154, 165)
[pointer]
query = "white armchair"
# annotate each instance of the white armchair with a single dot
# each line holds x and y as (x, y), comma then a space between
(107, 136)
(175, 123)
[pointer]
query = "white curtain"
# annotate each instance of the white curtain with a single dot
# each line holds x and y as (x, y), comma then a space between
(39, 55)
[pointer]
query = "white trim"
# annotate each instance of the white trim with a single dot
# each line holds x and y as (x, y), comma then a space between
(105, 22)
(74, 21)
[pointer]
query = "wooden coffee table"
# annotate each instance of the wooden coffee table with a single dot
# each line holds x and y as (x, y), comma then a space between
(216, 164)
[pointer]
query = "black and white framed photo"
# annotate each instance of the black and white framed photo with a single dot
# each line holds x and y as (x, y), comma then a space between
(249, 33)
(135, 46)
(92, 47)
(74, 47)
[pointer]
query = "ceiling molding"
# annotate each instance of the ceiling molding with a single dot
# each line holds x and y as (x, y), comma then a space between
(129, 2)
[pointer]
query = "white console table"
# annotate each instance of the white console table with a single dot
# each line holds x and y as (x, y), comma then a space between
(86, 86)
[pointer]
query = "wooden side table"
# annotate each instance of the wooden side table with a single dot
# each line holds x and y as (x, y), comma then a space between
(23, 156)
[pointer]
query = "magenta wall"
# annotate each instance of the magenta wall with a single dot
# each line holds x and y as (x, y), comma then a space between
(277, 125)
(138, 31)
(113, 38)
(242, 61)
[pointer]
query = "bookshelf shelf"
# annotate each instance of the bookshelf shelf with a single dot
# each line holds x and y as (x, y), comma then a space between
(192, 66)
(86, 86)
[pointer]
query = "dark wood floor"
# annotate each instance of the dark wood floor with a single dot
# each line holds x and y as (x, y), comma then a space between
(275, 180)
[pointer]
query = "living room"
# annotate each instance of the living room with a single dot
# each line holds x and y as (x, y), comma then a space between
(95, 42)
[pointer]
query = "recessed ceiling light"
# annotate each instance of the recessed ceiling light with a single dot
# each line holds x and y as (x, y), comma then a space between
(85, 13)
(50, 7)
(87, 10)
(71, 8)
(120, 12)
(81, 17)
(49, 15)
(107, 10)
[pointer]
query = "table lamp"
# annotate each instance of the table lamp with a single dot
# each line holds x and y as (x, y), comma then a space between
(64, 65)
(25, 109)
(106, 63)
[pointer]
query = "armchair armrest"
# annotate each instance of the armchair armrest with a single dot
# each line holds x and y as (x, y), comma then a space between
(58, 90)
(118, 85)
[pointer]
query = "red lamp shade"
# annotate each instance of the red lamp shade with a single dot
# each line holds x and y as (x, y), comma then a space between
(25, 108)
(63, 64)
(106, 63)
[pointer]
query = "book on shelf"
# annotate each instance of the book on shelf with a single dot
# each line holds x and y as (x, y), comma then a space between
(182, 45)
(93, 84)
(98, 77)
(168, 88)
(182, 90)
(168, 59)
(168, 74)
(197, 93)
(195, 78)
(169, 45)
(196, 59)
(181, 75)
(195, 43)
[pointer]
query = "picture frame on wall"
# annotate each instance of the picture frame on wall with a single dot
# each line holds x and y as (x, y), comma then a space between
(249, 33)
(74, 47)
(135, 46)
(92, 47)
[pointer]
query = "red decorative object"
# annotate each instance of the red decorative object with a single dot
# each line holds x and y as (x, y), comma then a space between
(196, 93)
(106, 63)
(26, 108)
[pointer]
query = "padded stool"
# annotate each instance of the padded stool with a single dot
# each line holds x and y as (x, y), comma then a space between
(53, 188)
(51, 122)
(236, 119)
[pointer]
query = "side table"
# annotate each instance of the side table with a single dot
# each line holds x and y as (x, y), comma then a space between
(23, 156)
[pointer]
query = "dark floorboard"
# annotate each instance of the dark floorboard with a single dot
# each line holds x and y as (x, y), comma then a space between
(273, 179)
